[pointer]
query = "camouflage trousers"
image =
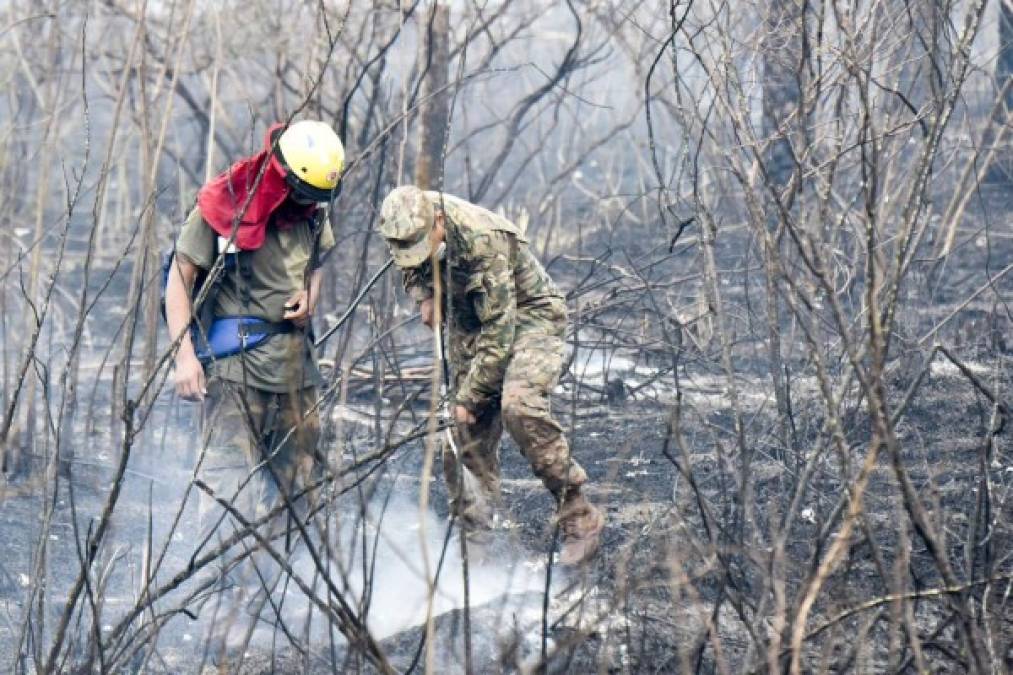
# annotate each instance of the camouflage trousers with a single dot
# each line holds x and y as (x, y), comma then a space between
(258, 447)
(536, 361)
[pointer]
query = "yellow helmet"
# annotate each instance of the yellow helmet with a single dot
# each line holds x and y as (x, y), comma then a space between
(313, 157)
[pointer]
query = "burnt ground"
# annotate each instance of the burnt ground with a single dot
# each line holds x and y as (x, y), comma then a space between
(651, 619)
(647, 620)
(668, 593)
(670, 590)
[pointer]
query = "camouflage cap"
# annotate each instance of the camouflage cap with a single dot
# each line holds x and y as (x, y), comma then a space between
(406, 218)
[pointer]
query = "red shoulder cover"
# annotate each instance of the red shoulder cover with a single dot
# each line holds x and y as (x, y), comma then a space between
(225, 199)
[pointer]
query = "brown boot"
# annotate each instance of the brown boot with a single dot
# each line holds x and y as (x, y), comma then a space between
(581, 525)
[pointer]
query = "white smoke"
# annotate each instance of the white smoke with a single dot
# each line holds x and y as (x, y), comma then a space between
(400, 594)
(506, 580)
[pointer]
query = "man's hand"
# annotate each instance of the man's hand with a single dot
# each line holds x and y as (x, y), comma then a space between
(190, 383)
(426, 310)
(463, 416)
(298, 309)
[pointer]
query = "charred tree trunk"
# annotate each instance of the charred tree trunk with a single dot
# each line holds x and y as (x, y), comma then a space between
(784, 52)
(782, 70)
(434, 110)
(1000, 171)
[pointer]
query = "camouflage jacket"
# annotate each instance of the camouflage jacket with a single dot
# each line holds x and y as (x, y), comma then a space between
(499, 291)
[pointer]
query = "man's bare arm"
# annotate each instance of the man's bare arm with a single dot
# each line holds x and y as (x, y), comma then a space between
(189, 376)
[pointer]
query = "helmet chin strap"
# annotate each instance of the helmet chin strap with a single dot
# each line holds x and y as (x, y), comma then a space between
(302, 201)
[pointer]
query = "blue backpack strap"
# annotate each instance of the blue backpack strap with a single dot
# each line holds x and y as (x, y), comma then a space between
(204, 313)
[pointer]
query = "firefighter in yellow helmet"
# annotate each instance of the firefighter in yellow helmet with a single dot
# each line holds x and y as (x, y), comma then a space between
(247, 355)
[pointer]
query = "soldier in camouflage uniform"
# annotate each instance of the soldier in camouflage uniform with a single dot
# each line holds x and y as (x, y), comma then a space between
(507, 329)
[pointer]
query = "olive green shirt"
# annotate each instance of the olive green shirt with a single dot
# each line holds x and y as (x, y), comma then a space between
(278, 269)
